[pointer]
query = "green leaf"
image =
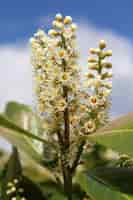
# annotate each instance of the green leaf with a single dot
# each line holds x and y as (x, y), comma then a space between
(118, 140)
(23, 116)
(37, 172)
(16, 135)
(11, 129)
(53, 191)
(98, 191)
(118, 178)
(3, 158)
(58, 196)
(117, 135)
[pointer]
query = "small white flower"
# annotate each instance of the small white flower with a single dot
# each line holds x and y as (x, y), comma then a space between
(107, 92)
(74, 120)
(61, 104)
(67, 33)
(65, 77)
(90, 127)
(93, 101)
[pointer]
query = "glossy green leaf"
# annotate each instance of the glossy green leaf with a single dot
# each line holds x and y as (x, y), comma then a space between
(98, 191)
(117, 135)
(23, 116)
(15, 135)
(53, 191)
(58, 196)
(118, 140)
(15, 128)
(118, 178)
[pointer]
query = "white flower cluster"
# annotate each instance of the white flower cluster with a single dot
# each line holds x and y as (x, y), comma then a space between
(99, 82)
(54, 60)
(55, 68)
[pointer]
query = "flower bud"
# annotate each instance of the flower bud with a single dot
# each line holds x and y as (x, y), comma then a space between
(106, 75)
(108, 53)
(107, 65)
(102, 44)
(73, 27)
(89, 75)
(68, 20)
(58, 25)
(93, 67)
(108, 85)
(58, 17)
(92, 51)
(92, 60)
(52, 32)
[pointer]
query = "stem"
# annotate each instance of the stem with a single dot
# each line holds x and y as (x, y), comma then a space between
(78, 155)
(66, 121)
(68, 175)
(68, 185)
(64, 139)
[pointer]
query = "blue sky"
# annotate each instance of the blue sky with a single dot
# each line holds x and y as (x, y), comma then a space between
(19, 19)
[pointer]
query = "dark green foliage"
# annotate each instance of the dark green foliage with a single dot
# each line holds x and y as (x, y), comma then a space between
(14, 179)
(115, 177)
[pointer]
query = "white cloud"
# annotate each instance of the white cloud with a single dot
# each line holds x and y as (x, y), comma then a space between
(16, 73)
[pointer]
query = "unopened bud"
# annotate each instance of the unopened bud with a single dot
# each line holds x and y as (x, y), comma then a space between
(106, 75)
(68, 20)
(93, 67)
(89, 75)
(108, 53)
(58, 25)
(92, 60)
(107, 65)
(94, 51)
(102, 44)
(73, 27)
(58, 17)
(52, 32)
